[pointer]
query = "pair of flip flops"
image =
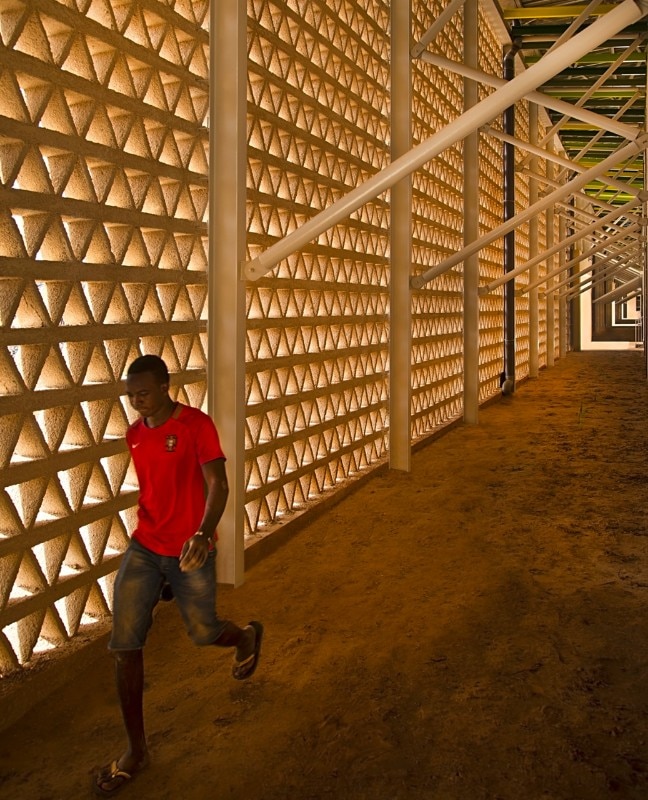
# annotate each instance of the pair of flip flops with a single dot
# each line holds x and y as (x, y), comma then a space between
(242, 670)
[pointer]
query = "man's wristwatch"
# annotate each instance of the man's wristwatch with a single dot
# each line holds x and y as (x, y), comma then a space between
(202, 533)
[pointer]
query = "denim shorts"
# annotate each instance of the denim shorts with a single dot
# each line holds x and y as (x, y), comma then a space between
(137, 591)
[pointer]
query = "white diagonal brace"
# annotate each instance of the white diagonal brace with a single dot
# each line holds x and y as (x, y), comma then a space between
(598, 136)
(620, 291)
(549, 65)
(565, 163)
(558, 194)
(592, 251)
(608, 266)
(596, 85)
(601, 205)
(571, 212)
(629, 247)
(631, 295)
(588, 284)
(590, 117)
(592, 200)
(579, 234)
(573, 293)
(438, 24)
(611, 271)
(611, 267)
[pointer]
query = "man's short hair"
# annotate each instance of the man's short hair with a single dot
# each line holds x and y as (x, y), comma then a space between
(150, 363)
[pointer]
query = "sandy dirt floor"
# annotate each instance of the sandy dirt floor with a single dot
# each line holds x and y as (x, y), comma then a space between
(474, 629)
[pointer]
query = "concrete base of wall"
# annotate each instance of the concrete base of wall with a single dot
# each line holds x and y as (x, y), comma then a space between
(25, 690)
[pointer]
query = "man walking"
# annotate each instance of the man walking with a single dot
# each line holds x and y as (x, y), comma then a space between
(183, 491)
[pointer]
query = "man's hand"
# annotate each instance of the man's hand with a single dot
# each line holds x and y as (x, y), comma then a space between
(194, 553)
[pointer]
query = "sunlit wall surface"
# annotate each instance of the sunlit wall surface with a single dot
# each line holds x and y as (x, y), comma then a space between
(103, 202)
(437, 190)
(103, 193)
(317, 334)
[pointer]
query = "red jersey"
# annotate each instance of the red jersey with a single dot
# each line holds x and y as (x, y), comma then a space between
(168, 462)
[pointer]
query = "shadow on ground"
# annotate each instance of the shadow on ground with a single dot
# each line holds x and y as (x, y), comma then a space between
(474, 629)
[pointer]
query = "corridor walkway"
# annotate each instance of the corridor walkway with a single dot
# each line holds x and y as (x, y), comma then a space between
(474, 630)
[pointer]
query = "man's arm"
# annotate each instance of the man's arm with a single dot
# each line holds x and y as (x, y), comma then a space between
(195, 550)
(217, 492)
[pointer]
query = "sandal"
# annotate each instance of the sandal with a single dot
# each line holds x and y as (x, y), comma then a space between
(241, 670)
(111, 779)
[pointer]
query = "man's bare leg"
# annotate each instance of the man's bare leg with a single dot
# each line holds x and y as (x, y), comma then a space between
(129, 676)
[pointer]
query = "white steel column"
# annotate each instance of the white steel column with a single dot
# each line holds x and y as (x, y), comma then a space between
(534, 311)
(575, 315)
(551, 326)
(226, 360)
(400, 315)
(471, 224)
(562, 303)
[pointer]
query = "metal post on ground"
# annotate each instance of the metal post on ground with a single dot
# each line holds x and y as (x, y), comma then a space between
(400, 315)
(534, 311)
(574, 304)
(551, 311)
(507, 380)
(471, 224)
(562, 303)
(226, 320)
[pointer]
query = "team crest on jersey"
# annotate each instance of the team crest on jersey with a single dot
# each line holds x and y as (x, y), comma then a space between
(171, 442)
